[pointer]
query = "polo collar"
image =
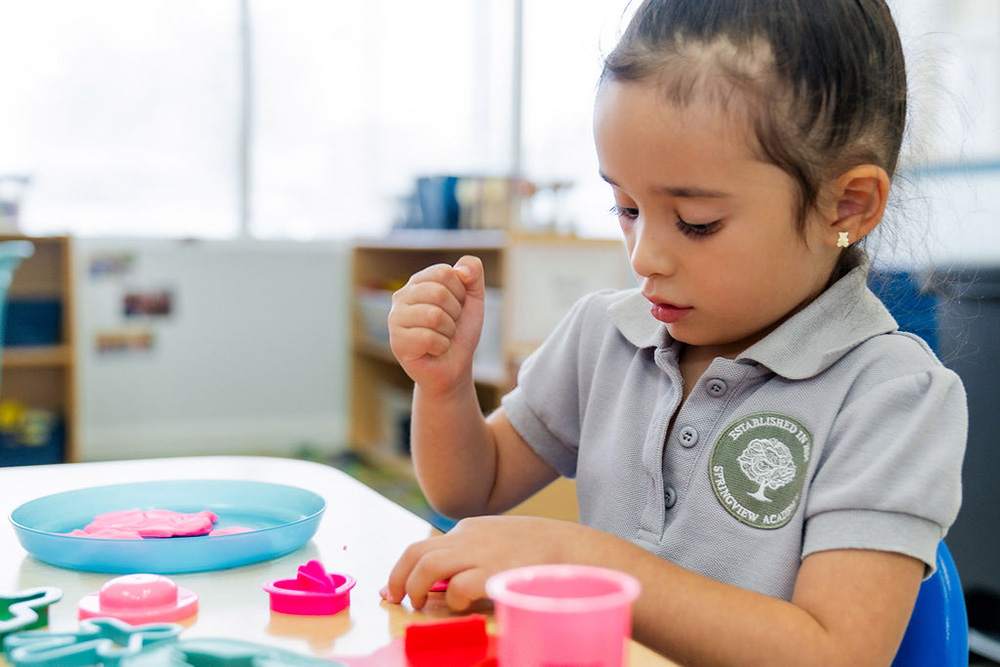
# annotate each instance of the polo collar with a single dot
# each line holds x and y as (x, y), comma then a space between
(807, 343)
(630, 313)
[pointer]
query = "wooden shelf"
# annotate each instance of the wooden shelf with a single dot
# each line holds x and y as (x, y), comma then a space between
(32, 357)
(535, 280)
(418, 240)
(43, 377)
(485, 374)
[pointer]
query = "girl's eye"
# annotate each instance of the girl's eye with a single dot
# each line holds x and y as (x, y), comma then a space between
(624, 212)
(698, 230)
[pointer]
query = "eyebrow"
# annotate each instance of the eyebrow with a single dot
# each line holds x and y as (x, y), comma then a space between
(682, 192)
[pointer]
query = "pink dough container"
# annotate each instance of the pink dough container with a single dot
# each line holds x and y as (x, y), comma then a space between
(567, 615)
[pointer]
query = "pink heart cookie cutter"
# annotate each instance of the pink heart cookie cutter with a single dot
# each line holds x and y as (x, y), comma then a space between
(314, 592)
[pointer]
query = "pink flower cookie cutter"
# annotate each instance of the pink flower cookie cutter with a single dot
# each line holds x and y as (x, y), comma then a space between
(314, 592)
(140, 598)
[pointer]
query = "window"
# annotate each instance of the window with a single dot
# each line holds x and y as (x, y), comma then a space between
(352, 101)
(122, 115)
(129, 116)
(565, 42)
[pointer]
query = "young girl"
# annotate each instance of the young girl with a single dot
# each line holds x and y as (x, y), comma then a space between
(750, 434)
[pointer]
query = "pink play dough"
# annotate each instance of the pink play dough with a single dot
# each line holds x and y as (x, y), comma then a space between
(107, 534)
(137, 524)
(155, 523)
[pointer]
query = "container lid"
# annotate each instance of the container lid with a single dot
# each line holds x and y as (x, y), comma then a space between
(140, 599)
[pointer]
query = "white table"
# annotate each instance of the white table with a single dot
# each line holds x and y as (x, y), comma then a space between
(361, 534)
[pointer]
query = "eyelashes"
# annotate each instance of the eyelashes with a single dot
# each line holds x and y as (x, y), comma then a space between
(698, 230)
(625, 213)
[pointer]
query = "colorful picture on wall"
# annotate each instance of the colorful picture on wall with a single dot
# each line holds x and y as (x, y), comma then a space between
(155, 303)
(124, 341)
(111, 264)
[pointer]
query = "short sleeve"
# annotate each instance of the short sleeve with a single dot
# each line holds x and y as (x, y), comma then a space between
(545, 407)
(889, 478)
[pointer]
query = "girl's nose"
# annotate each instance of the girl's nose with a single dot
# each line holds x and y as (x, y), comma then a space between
(650, 251)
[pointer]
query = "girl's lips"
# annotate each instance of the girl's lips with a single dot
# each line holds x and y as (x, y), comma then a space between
(667, 313)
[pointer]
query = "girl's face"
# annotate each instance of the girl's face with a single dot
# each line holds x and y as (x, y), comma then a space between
(710, 229)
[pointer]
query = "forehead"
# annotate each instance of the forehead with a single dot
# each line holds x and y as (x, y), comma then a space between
(734, 81)
(648, 143)
(636, 118)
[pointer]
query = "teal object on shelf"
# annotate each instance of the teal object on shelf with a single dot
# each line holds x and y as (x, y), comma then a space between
(11, 254)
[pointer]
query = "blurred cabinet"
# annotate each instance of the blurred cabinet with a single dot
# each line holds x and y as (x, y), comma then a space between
(531, 282)
(38, 403)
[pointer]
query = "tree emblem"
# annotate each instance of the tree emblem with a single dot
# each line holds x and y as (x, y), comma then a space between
(767, 462)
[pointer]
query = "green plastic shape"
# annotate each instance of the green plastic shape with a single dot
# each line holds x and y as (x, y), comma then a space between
(210, 652)
(27, 609)
(104, 642)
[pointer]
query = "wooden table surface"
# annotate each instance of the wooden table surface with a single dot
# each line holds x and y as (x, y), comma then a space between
(361, 534)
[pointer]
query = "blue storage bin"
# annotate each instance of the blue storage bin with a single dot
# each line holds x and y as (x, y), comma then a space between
(15, 452)
(32, 322)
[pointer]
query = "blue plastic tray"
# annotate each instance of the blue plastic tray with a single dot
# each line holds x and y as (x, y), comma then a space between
(283, 518)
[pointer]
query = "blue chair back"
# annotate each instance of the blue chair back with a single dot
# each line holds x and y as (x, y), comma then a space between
(938, 633)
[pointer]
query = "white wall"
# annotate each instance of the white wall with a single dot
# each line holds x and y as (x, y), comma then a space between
(252, 359)
(949, 217)
(964, 209)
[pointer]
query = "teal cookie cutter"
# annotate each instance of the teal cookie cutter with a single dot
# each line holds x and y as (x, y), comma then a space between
(105, 642)
(211, 652)
(27, 609)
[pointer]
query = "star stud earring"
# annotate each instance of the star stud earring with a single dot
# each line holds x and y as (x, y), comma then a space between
(843, 239)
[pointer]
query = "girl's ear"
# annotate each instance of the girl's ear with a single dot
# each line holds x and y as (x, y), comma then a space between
(860, 194)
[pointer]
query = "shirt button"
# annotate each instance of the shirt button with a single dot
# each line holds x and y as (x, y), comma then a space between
(688, 436)
(669, 497)
(716, 387)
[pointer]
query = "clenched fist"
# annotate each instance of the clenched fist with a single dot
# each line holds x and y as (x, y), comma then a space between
(435, 323)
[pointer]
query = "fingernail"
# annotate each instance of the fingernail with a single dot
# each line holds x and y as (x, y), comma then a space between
(463, 272)
(384, 592)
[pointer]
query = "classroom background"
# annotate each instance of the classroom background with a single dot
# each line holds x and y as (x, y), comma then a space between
(223, 195)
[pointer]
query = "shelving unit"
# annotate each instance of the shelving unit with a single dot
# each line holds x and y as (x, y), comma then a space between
(379, 267)
(533, 279)
(43, 376)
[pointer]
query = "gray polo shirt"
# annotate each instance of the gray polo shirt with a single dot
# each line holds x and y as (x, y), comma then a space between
(836, 431)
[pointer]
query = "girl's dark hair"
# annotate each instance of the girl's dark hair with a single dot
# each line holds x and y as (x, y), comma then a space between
(822, 82)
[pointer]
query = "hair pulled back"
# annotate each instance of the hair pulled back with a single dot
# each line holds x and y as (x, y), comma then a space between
(822, 83)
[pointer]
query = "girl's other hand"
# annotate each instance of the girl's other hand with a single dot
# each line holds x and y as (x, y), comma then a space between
(473, 551)
(436, 320)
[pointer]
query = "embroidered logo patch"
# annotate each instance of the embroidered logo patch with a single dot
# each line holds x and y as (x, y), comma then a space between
(758, 467)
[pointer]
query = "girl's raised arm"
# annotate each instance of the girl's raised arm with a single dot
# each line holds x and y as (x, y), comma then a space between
(466, 464)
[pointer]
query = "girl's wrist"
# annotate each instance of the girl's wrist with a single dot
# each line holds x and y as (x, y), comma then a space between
(458, 390)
